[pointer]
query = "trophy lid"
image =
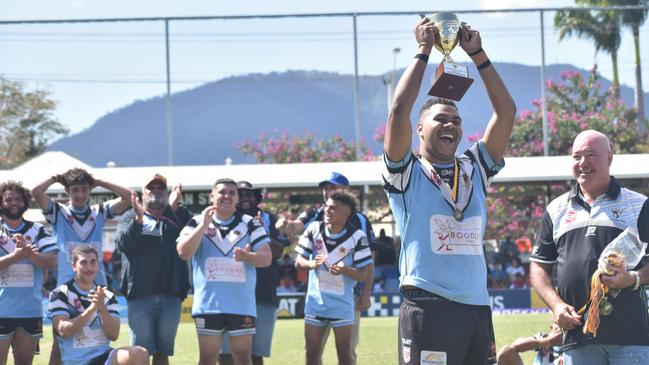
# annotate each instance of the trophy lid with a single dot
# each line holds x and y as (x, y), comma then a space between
(448, 25)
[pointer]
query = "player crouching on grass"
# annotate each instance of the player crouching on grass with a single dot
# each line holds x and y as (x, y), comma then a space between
(85, 317)
(337, 255)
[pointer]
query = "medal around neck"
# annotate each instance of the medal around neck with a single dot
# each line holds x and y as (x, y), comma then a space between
(451, 79)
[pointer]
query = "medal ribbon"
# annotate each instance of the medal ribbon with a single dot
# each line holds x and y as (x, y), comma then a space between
(458, 197)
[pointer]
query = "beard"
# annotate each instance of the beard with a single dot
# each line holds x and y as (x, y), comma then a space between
(156, 202)
(9, 214)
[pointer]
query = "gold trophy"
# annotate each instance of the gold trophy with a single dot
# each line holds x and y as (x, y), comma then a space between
(451, 79)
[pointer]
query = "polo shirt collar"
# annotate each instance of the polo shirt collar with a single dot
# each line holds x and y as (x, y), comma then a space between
(613, 191)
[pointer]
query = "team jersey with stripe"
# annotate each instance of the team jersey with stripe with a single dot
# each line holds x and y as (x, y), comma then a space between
(72, 230)
(221, 284)
(21, 283)
(439, 253)
(358, 221)
(573, 235)
(332, 296)
(90, 341)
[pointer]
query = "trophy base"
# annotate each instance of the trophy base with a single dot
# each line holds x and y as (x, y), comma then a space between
(452, 81)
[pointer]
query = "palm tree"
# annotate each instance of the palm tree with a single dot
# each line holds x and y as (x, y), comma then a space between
(633, 19)
(603, 27)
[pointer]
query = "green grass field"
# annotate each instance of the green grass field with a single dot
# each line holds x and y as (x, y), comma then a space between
(378, 344)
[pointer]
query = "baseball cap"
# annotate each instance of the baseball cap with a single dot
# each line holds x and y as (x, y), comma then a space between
(157, 177)
(244, 185)
(336, 178)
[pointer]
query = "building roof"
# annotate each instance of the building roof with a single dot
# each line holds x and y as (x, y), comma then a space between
(301, 175)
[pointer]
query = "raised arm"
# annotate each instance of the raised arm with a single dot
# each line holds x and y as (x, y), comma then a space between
(123, 201)
(398, 132)
(38, 192)
(188, 244)
(500, 125)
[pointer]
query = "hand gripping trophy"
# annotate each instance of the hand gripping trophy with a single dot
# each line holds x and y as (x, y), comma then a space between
(452, 79)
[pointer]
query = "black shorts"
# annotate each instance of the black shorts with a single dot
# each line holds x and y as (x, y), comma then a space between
(33, 326)
(442, 331)
(101, 359)
(218, 324)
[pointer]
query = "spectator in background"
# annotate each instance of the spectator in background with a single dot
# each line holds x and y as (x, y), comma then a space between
(518, 282)
(516, 268)
(155, 280)
(507, 250)
(497, 274)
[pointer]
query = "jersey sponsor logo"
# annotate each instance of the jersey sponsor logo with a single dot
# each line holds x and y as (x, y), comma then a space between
(200, 322)
(451, 237)
(318, 245)
(466, 178)
(405, 352)
(571, 216)
(591, 231)
(446, 172)
(342, 250)
(617, 213)
(433, 357)
(247, 322)
(17, 276)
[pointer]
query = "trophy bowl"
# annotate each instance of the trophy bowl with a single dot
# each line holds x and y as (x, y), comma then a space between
(448, 26)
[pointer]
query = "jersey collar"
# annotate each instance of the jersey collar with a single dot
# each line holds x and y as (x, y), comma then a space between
(613, 191)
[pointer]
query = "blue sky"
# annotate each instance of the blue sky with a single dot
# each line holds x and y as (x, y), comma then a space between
(92, 69)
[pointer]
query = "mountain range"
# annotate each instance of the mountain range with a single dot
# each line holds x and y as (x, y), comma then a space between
(210, 120)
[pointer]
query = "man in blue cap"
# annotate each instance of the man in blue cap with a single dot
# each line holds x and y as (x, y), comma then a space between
(334, 182)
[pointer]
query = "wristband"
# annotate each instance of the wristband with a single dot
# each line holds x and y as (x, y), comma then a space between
(484, 65)
(636, 277)
(476, 52)
(422, 56)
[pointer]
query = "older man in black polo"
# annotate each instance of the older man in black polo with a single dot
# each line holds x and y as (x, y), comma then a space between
(155, 280)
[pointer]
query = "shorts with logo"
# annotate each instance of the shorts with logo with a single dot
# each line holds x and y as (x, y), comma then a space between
(218, 324)
(435, 330)
(33, 326)
(324, 321)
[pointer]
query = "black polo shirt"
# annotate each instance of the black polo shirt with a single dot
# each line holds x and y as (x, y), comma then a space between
(573, 234)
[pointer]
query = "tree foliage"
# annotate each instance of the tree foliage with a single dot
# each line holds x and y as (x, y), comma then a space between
(27, 123)
(281, 147)
(602, 27)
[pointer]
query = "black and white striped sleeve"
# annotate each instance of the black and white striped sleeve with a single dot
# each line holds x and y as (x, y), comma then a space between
(396, 175)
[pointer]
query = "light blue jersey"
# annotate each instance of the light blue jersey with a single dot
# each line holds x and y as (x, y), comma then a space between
(90, 341)
(442, 229)
(21, 283)
(332, 296)
(221, 284)
(70, 232)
